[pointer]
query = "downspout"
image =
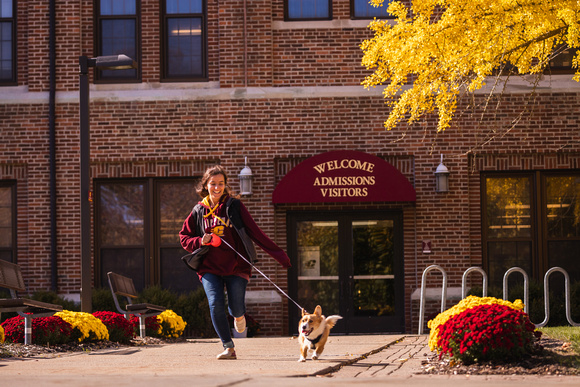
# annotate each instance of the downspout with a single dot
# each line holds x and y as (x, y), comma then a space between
(52, 141)
(245, 46)
(416, 241)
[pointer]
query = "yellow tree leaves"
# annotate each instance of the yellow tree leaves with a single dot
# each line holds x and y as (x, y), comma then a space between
(436, 50)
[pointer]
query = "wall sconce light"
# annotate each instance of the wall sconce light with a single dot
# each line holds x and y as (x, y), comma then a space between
(245, 179)
(442, 178)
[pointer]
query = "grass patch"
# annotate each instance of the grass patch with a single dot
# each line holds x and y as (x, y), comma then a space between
(567, 334)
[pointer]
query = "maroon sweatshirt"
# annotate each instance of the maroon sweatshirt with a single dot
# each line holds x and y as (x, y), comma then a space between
(222, 260)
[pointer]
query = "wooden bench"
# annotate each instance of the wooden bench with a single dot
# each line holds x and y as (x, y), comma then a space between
(124, 286)
(11, 278)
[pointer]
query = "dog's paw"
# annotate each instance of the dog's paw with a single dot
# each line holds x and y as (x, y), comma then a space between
(315, 357)
(301, 360)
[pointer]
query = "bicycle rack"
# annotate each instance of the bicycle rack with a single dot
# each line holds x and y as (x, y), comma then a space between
(547, 297)
(463, 280)
(505, 291)
(422, 300)
(505, 285)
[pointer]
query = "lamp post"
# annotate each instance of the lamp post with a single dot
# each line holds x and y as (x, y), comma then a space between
(114, 62)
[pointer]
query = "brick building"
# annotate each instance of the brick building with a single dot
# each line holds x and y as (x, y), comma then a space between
(221, 80)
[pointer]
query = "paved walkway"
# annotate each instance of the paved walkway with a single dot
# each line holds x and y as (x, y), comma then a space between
(347, 361)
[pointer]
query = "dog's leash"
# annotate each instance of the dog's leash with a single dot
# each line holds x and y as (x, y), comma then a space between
(259, 271)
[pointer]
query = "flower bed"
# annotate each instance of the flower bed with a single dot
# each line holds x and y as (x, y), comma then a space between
(480, 329)
(67, 326)
(45, 330)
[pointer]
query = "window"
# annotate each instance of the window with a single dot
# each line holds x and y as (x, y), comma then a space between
(532, 221)
(362, 9)
(184, 53)
(308, 9)
(117, 33)
(8, 220)
(137, 231)
(562, 63)
(509, 225)
(7, 42)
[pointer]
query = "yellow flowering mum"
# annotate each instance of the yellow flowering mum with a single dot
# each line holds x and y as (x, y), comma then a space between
(90, 327)
(170, 324)
(467, 303)
(1, 334)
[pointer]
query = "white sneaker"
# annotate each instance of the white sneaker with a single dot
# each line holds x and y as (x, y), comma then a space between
(228, 354)
(240, 325)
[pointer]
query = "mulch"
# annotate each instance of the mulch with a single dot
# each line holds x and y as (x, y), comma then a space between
(553, 357)
(19, 350)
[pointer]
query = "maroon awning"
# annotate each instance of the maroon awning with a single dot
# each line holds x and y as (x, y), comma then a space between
(343, 176)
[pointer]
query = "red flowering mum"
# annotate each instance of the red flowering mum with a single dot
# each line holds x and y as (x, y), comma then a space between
(487, 332)
(120, 329)
(152, 326)
(14, 329)
(45, 330)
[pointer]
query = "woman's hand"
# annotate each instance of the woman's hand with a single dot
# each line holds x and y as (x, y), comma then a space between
(206, 239)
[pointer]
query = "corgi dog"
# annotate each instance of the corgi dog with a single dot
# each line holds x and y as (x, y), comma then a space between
(314, 330)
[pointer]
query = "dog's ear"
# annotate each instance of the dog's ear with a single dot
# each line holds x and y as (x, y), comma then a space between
(304, 312)
(318, 311)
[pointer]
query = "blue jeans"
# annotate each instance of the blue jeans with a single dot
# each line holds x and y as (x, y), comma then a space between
(214, 289)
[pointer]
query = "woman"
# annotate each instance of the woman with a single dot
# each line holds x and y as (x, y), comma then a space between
(220, 215)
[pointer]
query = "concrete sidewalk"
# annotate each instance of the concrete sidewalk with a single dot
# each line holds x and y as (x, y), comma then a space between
(347, 360)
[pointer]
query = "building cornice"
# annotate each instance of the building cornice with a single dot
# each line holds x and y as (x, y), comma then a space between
(211, 91)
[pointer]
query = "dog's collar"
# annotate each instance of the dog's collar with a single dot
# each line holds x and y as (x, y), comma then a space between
(315, 340)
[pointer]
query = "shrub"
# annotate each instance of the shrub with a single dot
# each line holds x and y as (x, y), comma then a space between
(465, 304)
(45, 330)
(152, 326)
(194, 309)
(156, 295)
(103, 300)
(53, 298)
(120, 329)
(487, 332)
(89, 327)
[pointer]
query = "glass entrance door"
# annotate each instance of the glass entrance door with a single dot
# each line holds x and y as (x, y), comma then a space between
(351, 265)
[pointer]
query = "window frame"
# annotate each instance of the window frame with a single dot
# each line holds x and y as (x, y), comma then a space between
(14, 80)
(11, 184)
(288, 18)
(98, 44)
(164, 44)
